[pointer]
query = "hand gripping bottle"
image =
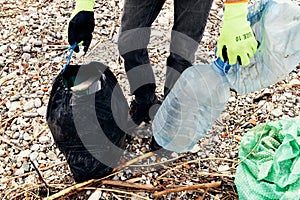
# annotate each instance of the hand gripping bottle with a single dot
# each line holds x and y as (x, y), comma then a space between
(276, 25)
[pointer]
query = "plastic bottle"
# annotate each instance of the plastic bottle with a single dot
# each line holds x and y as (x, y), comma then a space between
(191, 107)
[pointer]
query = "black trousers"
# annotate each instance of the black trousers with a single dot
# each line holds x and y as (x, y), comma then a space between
(190, 18)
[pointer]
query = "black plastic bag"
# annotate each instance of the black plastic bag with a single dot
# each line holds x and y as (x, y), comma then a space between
(88, 126)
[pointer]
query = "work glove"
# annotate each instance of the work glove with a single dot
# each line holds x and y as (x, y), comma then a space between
(236, 41)
(82, 24)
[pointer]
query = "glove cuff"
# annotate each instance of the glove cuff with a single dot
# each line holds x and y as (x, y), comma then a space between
(234, 10)
(83, 5)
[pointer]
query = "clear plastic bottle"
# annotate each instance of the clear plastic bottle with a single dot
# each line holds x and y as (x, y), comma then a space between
(191, 107)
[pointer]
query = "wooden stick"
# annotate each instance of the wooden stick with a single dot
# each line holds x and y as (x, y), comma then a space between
(186, 188)
(103, 182)
(133, 161)
(129, 185)
(69, 189)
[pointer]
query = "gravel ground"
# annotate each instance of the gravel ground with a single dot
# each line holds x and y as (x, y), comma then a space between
(32, 43)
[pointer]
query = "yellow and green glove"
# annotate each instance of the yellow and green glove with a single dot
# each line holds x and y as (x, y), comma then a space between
(82, 24)
(236, 41)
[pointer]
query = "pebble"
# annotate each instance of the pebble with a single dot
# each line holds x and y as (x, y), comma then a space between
(26, 48)
(19, 171)
(51, 155)
(13, 106)
(34, 155)
(29, 105)
(26, 56)
(13, 47)
(35, 147)
(2, 153)
(26, 166)
(96, 195)
(277, 112)
(38, 43)
(27, 137)
(37, 102)
(44, 139)
(30, 114)
(16, 135)
(3, 49)
(24, 154)
(42, 111)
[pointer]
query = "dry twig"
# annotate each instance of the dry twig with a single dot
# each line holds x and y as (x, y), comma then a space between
(186, 188)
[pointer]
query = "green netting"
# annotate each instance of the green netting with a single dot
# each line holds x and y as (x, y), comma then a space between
(270, 167)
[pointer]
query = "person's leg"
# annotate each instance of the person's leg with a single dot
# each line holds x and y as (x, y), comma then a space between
(138, 15)
(190, 18)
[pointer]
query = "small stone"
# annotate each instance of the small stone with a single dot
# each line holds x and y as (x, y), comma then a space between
(30, 114)
(96, 195)
(195, 149)
(26, 48)
(44, 139)
(35, 147)
(277, 112)
(3, 49)
(19, 171)
(13, 47)
(38, 43)
(2, 153)
(51, 155)
(42, 111)
(29, 105)
(24, 154)
(144, 149)
(26, 166)
(13, 106)
(26, 56)
(27, 137)
(57, 59)
(15, 97)
(1, 171)
(288, 95)
(16, 135)
(33, 156)
(37, 102)
(231, 99)
(295, 82)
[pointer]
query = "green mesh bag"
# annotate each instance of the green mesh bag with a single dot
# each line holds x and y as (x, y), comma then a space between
(270, 162)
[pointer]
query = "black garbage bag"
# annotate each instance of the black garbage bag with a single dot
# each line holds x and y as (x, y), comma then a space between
(88, 125)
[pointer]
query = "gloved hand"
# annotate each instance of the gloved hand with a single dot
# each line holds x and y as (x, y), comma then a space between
(82, 24)
(236, 39)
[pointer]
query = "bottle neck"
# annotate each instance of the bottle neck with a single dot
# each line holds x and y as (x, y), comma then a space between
(221, 67)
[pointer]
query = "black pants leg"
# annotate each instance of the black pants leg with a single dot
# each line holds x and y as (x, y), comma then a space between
(138, 15)
(190, 18)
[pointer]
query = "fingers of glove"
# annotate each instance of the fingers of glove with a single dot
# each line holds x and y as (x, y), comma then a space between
(76, 49)
(245, 60)
(220, 52)
(71, 33)
(87, 42)
(248, 53)
(232, 57)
